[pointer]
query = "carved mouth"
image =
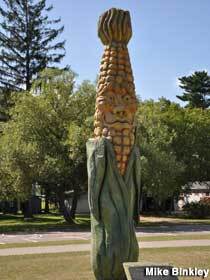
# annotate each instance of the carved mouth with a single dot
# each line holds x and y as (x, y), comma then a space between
(124, 122)
(118, 123)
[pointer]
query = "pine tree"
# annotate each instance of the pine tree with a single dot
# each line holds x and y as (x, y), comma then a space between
(196, 90)
(5, 103)
(26, 42)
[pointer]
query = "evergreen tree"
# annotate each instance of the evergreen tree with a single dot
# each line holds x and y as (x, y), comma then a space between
(5, 103)
(27, 42)
(196, 90)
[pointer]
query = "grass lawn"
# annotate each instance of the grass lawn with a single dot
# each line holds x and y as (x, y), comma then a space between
(45, 222)
(42, 222)
(43, 243)
(174, 237)
(76, 266)
(171, 221)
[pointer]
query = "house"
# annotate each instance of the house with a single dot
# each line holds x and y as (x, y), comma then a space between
(193, 192)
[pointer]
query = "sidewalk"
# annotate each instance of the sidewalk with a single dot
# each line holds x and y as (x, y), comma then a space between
(86, 247)
(86, 235)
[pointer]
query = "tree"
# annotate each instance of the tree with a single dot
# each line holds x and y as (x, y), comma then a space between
(80, 130)
(161, 170)
(186, 135)
(161, 175)
(26, 42)
(44, 142)
(191, 145)
(5, 104)
(196, 90)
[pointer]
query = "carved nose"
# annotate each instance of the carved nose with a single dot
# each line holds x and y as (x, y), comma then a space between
(119, 111)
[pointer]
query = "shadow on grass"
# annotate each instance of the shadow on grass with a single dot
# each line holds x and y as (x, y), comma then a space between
(164, 227)
(10, 217)
(42, 222)
(55, 222)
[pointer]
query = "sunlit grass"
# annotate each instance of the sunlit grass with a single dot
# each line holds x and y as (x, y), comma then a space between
(45, 222)
(76, 266)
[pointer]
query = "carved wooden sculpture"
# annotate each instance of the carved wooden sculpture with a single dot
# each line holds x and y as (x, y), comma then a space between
(116, 100)
(113, 159)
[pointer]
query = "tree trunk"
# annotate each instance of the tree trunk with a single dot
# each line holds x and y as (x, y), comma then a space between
(156, 205)
(64, 209)
(172, 205)
(47, 208)
(27, 58)
(144, 202)
(140, 200)
(74, 205)
(27, 209)
(163, 206)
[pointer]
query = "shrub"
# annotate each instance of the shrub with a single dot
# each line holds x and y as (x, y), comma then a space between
(199, 209)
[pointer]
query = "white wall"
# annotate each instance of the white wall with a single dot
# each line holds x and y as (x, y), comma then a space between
(188, 198)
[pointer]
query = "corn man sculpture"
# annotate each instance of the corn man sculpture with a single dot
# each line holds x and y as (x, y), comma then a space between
(113, 159)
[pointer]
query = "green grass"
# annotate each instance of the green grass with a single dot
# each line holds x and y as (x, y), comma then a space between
(47, 222)
(172, 220)
(43, 243)
(181, 257)
(174, 237)
(76, 266)
(42, 222)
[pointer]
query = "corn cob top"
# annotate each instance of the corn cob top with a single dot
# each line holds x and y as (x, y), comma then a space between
(116, 101)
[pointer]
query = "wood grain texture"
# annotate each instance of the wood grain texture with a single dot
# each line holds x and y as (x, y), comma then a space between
(113, 159)
(116, 101)
(113, 204)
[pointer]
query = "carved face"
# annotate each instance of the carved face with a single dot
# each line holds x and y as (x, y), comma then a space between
(115, 110)
(116, 103)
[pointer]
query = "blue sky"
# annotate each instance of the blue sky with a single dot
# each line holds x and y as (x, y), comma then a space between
(171, 38)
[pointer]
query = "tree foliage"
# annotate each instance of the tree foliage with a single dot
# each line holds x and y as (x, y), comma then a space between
(27, 42)
(44, 142)
(182, 133)
(196, 90)
(161, 171)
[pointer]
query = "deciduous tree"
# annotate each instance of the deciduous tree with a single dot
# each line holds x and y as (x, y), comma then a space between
(44, 142)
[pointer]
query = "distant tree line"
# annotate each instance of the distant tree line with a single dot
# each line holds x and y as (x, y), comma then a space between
(44, 141)
(46, 120)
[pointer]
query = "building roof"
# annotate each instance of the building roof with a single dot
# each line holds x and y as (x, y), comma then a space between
(197, 186)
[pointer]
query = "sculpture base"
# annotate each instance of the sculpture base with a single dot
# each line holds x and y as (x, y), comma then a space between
(148, 271)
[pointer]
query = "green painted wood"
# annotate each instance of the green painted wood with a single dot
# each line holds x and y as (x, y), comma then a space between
(113, 202)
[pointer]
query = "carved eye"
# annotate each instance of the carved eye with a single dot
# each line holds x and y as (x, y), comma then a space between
(101, 100)
(127, 98)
